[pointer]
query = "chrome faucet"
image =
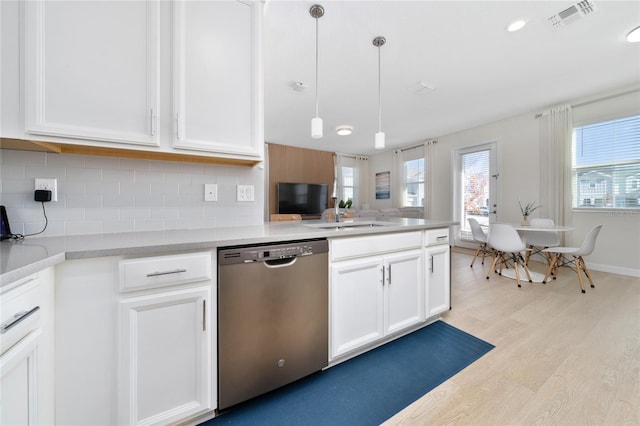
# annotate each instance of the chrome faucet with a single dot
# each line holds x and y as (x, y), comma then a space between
(336, 210)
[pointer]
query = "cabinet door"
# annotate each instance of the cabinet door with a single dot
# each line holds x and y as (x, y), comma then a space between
(165, 358)
(356, 304)
(217, 86)
(18, 382)
(92, 69)
(437, 271)
(404, 286)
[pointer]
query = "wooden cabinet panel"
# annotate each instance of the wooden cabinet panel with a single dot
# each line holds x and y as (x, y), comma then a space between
(293, 164)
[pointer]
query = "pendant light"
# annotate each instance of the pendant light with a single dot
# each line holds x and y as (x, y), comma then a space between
(316, 12)
(379, 138)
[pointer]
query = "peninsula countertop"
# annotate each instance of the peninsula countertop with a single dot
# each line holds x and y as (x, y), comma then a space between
(21, 258)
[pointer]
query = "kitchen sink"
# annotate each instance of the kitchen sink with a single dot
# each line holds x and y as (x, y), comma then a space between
(349, 225)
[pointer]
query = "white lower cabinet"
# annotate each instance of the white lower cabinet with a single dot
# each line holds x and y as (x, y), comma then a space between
(373, 297)
(437, 279)
(164, 364)
(26, 351)
(135, 340)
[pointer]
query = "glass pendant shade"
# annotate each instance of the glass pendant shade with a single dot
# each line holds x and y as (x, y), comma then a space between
(316, 127)
(379, 140)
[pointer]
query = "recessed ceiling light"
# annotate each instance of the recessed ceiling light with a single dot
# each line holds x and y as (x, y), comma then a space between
(634, 35)
(344, 130)
(516, 25)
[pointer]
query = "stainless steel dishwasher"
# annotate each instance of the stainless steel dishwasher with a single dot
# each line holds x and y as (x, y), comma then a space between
(272, 317)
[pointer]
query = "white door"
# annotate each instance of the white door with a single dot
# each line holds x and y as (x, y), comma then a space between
(165, 357)
(92, 70)
(437, 279)
(404, 287)
(356, 304)
(475, 187)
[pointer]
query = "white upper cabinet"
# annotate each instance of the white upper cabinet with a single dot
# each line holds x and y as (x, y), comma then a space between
(181, 77)
(217, 82)
(92, 70)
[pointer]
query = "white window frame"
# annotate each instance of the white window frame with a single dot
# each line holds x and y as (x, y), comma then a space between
(609, 197)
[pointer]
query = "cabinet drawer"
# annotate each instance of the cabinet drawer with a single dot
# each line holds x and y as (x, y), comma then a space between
(433, 237)
(160, 271)
(19, 311)
(348, 248)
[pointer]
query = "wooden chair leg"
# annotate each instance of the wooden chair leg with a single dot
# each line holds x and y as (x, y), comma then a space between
(586, 272)
(579, 275)
(476, 255)
(526, 270)
(484, 251)
(552, 264)
(515, 266)
(493, 264)
(503, 263)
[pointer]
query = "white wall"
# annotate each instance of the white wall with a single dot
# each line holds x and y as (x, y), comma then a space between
(518, 145)
(104, 195)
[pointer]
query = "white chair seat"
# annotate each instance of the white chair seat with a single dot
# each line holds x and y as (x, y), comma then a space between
(481, 238)
(507, 245)
(577, 253)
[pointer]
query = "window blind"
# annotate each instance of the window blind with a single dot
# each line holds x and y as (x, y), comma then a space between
(606, 164)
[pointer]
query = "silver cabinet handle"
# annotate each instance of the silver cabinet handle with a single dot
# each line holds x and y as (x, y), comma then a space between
(153, 124)
(389, 274)
(204, 315)
(382, 274)
(178, 126)
(175, 271)
(17, 318)
(442, 237)
(431, 260)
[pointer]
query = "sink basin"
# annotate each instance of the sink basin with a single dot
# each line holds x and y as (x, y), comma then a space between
(348, 225)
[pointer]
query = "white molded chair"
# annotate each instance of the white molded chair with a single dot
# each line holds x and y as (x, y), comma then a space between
(506, 242)
(559, 255)
(481, 238)
(537, 241)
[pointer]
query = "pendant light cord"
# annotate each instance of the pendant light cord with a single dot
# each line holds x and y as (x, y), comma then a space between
(379, 95)
(316, 67)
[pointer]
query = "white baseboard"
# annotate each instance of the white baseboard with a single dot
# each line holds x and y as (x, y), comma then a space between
(613, 269)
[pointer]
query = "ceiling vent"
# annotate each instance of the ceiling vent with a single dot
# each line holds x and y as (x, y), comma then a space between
(573, 13)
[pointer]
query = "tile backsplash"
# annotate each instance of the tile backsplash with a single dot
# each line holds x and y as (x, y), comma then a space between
(105, 195)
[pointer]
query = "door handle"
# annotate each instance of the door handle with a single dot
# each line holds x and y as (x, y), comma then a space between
(389, 274)
(382, 274)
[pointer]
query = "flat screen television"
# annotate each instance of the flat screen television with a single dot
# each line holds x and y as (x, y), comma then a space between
(302, 198)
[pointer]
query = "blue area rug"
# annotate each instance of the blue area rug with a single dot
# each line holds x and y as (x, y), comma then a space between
(368, 389)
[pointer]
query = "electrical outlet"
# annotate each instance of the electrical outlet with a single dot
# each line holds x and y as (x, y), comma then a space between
(245, 193)
(49, 185)
(211, 192)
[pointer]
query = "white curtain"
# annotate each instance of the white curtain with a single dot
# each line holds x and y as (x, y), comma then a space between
(556, 127)
(429, 152)
(360, 165)
(397, 177)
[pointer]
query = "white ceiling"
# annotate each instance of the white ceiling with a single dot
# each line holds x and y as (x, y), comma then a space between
(480, 72)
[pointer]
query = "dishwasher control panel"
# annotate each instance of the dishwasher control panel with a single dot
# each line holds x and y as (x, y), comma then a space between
(246, 254)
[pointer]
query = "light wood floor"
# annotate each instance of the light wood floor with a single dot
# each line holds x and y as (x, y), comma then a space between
(561, 357)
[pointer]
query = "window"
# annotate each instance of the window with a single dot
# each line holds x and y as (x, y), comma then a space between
(348, 183)
(414, 183)
(606, 164)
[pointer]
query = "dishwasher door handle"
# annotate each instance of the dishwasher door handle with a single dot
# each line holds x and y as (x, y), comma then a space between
(279, 263)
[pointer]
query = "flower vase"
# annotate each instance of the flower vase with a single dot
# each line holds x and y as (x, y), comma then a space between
(525, 221)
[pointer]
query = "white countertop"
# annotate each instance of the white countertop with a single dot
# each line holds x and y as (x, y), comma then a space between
(22, 258)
